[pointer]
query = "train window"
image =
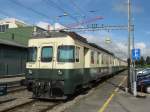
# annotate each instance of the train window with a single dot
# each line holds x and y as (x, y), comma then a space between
(102, 59)
(32, 54)
(77, 54)
(92, 57)
(47, 54)
(66, 53)
(98, 57)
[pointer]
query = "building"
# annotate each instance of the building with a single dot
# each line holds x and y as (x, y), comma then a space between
(13, 57)
(10, 23)
(14, 36)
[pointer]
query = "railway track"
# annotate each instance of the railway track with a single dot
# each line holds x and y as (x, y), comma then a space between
(7, 100)
(31, 106)
(17, 106)
(14, 86)
(12, 76)
(16, 89)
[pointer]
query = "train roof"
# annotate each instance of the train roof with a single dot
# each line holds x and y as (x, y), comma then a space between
(74, 35)
(82, 39)
(98, 47)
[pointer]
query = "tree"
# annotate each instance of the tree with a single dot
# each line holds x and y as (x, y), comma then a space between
(148, 60)
(137, 62)
(142, 61)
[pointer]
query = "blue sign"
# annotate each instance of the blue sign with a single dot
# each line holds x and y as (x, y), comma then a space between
(136, 54)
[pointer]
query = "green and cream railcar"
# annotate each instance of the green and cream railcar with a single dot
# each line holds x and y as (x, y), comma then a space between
(63, 62)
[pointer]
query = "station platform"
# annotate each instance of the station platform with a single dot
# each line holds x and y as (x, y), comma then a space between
(110, 96)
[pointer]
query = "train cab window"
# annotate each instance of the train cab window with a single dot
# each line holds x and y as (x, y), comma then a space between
(32, 54)
(47, 54)
(66, 53)
(77, 54)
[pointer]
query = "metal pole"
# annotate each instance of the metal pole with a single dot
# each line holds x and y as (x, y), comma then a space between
(133, 36)
(129, 35)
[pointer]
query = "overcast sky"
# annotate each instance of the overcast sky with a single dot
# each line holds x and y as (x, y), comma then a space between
(114, 12)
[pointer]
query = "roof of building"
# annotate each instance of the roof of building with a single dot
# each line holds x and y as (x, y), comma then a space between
(13, 20)
(19, 35)
(11, 43)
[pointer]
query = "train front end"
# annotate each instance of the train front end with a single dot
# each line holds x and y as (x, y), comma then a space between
(46, 72)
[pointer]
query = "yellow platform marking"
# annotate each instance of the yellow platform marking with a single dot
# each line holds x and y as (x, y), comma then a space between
(105, 105)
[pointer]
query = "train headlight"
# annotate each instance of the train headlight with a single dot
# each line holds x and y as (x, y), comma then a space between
(60, 72)
(30, 72)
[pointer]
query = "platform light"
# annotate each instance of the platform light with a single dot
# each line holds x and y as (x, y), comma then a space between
(108, 40)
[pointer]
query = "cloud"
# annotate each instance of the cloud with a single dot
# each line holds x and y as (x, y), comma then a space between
(43, 25)
(58, 26)
(47, 26)
(145, 50)
(123, 8)
(140, 45)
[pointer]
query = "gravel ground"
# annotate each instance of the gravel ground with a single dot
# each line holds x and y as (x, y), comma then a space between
(21, 96)
(34, 107)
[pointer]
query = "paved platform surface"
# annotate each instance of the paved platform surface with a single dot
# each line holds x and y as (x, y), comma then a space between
(109, 97)
(11, 79)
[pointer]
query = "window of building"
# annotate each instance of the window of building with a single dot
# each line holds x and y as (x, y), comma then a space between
(92, 57)
(47, 54)
(3, 28)
(77, 54)
(66, 53)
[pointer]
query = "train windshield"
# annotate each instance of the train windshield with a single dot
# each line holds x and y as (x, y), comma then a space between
(32, 54)
(47, 54)
(66, 54)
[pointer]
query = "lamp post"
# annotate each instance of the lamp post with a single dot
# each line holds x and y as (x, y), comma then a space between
(57, 18)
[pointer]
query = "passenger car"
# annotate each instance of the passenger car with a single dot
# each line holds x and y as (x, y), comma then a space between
(61, 63)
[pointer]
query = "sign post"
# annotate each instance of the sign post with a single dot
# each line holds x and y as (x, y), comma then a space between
(135, 54)
(135, 57)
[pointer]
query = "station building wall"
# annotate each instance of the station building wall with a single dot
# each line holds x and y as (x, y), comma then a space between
(12, 60)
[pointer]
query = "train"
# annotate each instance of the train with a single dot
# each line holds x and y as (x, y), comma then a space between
(61, 63)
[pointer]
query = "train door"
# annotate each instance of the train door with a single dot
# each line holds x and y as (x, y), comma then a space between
(46, 56)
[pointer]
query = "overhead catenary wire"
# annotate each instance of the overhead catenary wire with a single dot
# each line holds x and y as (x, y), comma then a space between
(98, 28)
(76, 12)
(78, 8)
(29, 8)
(55, 5)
